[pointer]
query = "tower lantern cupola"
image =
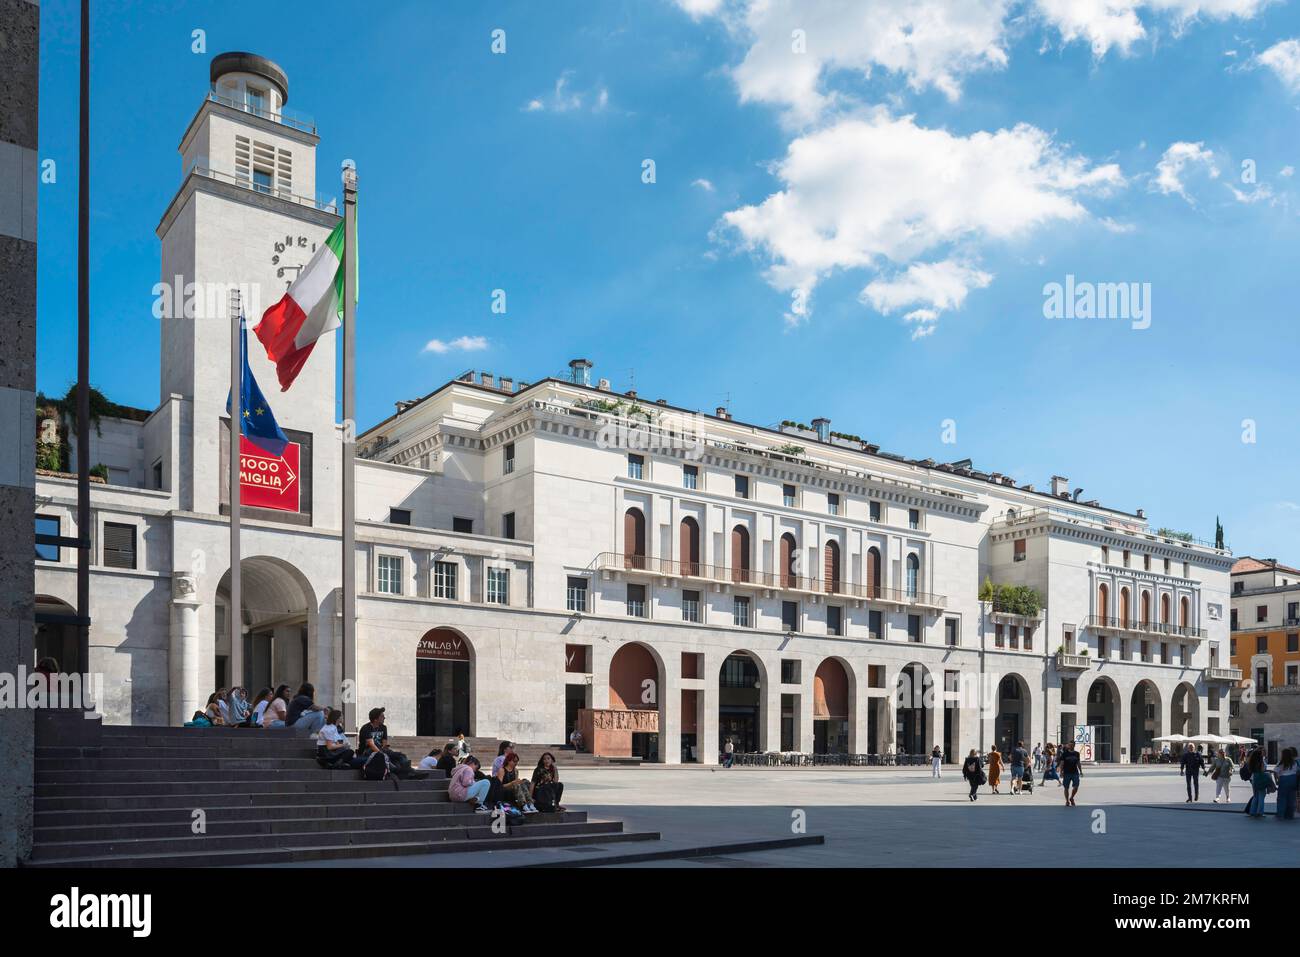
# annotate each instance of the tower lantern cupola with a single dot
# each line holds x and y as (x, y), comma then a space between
(250, 82)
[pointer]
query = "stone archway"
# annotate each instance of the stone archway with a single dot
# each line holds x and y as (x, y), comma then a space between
(1185, 711)
(631, 725)
(832, 707)
(279, 619)
(1104, 714)
(1144, 719)
(914, 694)
(742, 685)
(444, 684)
(1014, 722)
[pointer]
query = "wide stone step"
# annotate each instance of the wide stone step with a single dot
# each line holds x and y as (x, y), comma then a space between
(368, 792)
(135, 814)
(212, 784)
(592, 833)
(163, 763)
(307, 773)
(295, 749)
(459, 828)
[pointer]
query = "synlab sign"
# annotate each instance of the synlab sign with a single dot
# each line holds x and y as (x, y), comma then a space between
(442, 644)
(269, 481)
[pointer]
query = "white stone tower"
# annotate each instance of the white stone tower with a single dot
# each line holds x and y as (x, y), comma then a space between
(247, 216)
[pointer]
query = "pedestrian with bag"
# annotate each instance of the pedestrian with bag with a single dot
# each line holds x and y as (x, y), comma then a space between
(973, 771)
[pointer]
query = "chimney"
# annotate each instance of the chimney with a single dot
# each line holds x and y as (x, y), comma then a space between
(580, 371)
(661, 401)
(507, 384)
(485, 378)
(603, 385)
(822, 427)
(1060, 485)
(722, 413)
(631, 393)
(1142, 513)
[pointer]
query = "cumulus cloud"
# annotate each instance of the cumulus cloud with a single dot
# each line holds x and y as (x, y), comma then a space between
(1118, 24)
(564, 99)
(794, 45)
(875, 191)
(459, 344)
(1176, 161)
(1284, 60)
(703, 184)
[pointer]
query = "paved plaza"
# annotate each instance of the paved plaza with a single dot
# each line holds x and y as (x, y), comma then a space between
(899, 817)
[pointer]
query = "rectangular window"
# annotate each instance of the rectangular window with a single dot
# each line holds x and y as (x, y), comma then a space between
(1029, 637)
(498, 586)
(1103, 647)
(1166, 566)
(690, 606)
(875, 624)
(1013, 636)
(834, 620)
(914, 628)
(119, 545)
(444, 580)
(789, 671)
(1234, 619)
(790, 615)
(1187, 570)
(636, 601)
(742, 486)
(833, 503)
(913, 518)
(1292, 643)
(575, 594)
(1232, 647)
(262, 180)
(1123, 649)
(1105, 554)
(740, 613)
(950, 632)
(157, 475)
(1018, 551)
(1164, 652)
(1293, 674)
(635, 466)
(1293, 611)
(508, 458)
(47, 525)
(1261, 613)
(999, 637)
(691, 476)
(789, 496)
(1128, 556)
(1261, 645)
(465, 525)
(508, 525)
(399, 516)
(390, 574)
(875, 511)
(1146, 563)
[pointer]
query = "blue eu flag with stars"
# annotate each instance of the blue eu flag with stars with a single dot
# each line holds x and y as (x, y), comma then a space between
(257, 421)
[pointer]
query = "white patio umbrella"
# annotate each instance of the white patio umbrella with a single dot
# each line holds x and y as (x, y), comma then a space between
(1240, 739)
(1171, 738)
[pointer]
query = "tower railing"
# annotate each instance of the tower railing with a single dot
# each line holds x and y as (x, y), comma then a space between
(289, 118)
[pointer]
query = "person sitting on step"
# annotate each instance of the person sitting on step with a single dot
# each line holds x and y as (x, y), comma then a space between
(518, 790)
(465, 786)
(548, 789)
(304, 713)
(258, 707)
(502, 748)
(277, 709)
(332, 748)
(440, 760)
(373, 737)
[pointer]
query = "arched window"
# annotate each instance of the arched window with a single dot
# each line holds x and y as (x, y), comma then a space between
(1103, 602)
(740, 554)
(1146, 609)
(1164, 609)
(789, 549)
(873, 572)
(831, 574)
(634, 539)
(1184, 612)
(689, 543)
(913, 575)
(1123, 608)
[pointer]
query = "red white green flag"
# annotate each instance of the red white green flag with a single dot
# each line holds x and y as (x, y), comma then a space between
(311, 308)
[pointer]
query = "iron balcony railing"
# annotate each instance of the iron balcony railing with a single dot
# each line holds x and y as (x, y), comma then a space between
(1136, 528)
(199, 169)
(1106, 623)
(672, 568)
(289, 118)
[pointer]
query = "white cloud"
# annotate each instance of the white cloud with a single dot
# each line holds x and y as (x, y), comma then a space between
(1174, 163)
(1287, 171)
(703, 184)
(1259, 194)
(873, 190)
(460, 344)
(937, 286)
(564, 99)
(930, 43)
(1118, 24)
(1284, 60)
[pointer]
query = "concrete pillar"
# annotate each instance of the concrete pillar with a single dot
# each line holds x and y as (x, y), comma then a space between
(859, 711)
(183, 656)
(769, 732)
(708, 735)
(20, 22)
(670, 710)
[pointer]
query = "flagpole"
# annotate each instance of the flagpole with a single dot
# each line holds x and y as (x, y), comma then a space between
(349, 445)
(236, 430)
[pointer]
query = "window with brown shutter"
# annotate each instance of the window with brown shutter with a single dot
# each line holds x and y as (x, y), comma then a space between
(119, 545)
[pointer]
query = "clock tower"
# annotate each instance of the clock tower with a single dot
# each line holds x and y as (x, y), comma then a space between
(246, 218)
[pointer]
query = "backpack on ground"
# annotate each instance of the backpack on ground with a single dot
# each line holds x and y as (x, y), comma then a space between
(377, 767)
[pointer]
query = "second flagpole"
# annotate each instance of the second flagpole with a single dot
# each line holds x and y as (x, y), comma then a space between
(348, 683)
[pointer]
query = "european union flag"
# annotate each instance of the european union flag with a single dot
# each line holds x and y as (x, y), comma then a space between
(257, 421)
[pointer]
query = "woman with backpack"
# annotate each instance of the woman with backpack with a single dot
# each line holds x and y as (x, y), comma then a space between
(464, 787)
(973, 772)
(1284, 773)
(1255, 770)
(333, 751)
(548, 789)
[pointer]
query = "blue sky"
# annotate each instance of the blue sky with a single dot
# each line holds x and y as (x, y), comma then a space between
(943, 168)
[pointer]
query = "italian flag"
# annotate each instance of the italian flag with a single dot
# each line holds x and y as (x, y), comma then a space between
(312, 307)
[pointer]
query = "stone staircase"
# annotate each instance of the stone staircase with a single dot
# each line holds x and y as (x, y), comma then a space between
(133, 796)
(485, 749)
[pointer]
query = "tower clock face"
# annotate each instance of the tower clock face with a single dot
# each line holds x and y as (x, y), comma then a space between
(291, 254)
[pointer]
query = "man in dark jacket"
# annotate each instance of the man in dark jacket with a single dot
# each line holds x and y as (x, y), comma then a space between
(1190, 764)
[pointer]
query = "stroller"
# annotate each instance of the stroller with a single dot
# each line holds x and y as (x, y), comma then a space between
(1027, 782)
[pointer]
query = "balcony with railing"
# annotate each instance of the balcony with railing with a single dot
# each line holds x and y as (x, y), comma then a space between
(1161, 629)
(721, 574)
(1214, 673)
(1068, 662)
(200, 167)
(290, 118)
(1011, 614)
